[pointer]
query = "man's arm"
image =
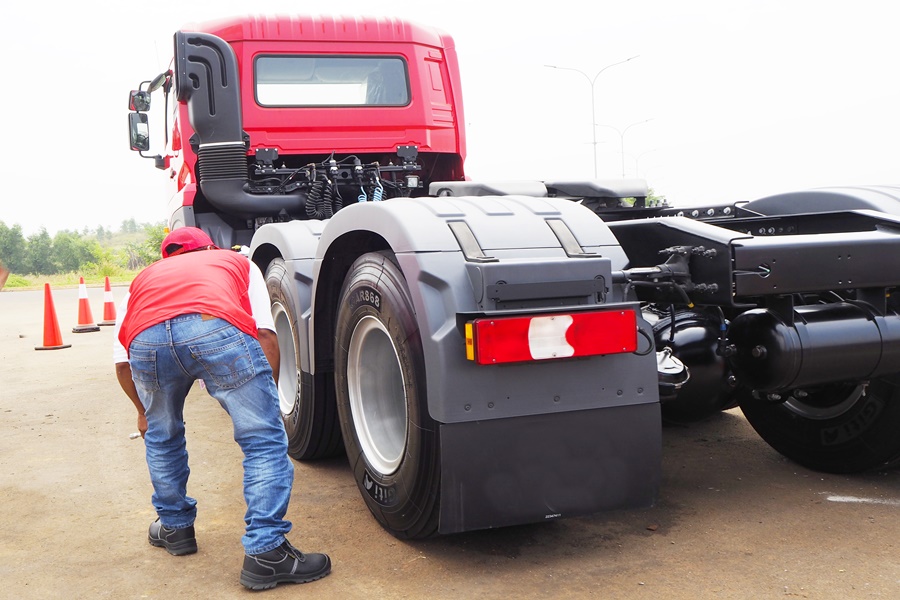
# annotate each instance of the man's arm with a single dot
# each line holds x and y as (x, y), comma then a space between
(269, 342)
(261, 311)
(123, 374)
(123, 369)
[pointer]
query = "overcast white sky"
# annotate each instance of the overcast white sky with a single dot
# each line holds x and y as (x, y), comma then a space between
(744, 99)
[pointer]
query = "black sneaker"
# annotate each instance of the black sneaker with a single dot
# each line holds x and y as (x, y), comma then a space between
(284, 564)
(177, 542)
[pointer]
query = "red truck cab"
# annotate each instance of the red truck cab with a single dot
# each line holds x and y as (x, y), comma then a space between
(288, 117)
(347, 85)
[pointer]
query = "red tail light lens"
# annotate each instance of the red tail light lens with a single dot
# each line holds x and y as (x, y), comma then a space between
(491, 341)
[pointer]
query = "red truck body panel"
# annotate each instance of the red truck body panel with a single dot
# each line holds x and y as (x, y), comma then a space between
(433, 120)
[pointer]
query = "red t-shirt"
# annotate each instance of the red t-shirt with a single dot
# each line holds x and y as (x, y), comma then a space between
(213, 282)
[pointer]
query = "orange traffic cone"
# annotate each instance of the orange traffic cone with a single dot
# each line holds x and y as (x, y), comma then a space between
(52, 336)
(85, 318)
(109, 306)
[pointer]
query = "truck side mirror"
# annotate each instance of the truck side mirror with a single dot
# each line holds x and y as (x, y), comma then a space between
(139, 101)
(139, 131)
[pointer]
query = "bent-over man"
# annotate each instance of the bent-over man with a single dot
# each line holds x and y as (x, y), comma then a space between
(203, 313)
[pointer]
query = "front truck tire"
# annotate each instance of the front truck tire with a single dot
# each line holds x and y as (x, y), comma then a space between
(390, 438)
(307, 407)
(840, 428)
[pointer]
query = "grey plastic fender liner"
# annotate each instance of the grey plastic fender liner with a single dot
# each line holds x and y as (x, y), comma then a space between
(513, 229)
(294, 239)
(498, 223)
(182, 216)
(297, 242)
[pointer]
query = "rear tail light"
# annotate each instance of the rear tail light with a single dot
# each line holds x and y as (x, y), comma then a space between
(491, 341)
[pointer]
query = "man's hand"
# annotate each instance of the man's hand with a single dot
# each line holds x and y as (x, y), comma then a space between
(123, 374)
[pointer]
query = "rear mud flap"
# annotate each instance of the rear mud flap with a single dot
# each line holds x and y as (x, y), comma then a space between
(531, 469)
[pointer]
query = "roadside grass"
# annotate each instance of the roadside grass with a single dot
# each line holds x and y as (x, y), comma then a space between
(119, 256)
(17, 282)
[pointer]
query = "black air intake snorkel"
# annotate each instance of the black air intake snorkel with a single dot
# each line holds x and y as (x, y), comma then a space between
(206, 77)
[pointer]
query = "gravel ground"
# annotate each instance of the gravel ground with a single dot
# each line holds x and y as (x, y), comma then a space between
(733, 520)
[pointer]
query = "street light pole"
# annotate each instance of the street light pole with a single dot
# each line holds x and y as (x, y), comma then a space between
(621, 133)
(637, 172)
(593, 82)
(622, 142)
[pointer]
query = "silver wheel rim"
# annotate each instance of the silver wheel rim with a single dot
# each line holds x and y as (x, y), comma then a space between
(377, 395)
(288, 387)
(821, 413)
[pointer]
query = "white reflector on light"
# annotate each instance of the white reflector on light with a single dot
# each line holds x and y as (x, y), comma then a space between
(547, 337)
(516, 339)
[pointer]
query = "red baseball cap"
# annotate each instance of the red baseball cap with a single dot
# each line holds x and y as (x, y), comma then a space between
(185, 239)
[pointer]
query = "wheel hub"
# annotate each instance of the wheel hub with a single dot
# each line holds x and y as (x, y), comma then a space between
(377, 395)
(288, 386)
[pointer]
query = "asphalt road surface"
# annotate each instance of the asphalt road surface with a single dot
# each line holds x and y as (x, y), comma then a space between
(733, 520)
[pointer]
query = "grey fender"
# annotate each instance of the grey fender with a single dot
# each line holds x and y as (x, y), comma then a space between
(519, 247)
(296, 242)
(500, 223)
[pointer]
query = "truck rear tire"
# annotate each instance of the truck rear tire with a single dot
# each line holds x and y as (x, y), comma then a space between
(840, 428)
(307, 408)
(391, 441)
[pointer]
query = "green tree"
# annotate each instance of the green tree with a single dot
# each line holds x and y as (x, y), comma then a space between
(140, 254)
(109, 262)
(156, 233)
(39, 254)
(12, 248)
(129, 226)
(70, 252)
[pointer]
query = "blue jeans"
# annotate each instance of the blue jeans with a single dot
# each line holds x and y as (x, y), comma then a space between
(165, 361)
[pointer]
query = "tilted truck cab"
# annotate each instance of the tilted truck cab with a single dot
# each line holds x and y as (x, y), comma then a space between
(495, 354)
